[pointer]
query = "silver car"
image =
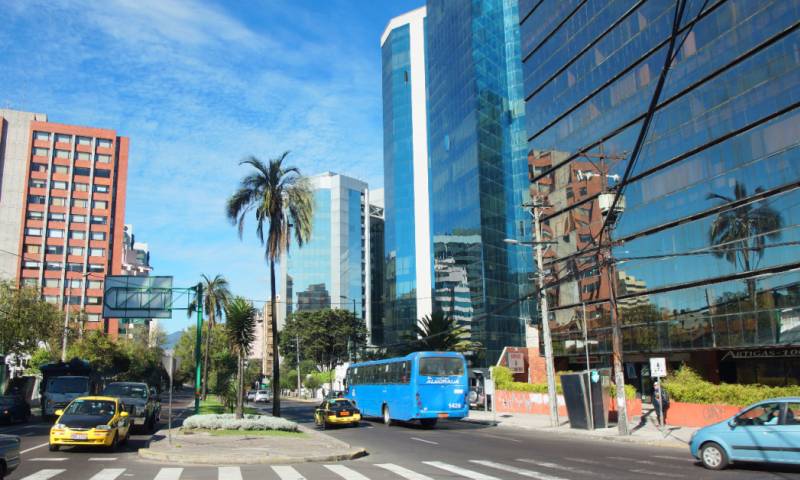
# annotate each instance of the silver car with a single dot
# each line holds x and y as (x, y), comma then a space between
(142, 403)
(9, 454)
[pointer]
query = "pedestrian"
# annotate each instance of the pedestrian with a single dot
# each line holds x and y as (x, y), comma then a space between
(661, 402)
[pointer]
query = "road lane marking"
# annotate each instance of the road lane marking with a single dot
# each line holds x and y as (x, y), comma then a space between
(169, 474)
(519, 471)
(556, 466)
(108, 474)
(403, 472)
(102, 459)
(461, 471)
(229, 473)
(658, 474)
(423, 440)
(346, 473)
(502, 438)
(582, 460)
(44, 474)
(48, 459)
(286, 472)
(33, 448)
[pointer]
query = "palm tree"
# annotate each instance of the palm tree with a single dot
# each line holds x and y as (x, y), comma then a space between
(281, 198)
(240, 328)
(739, 235)
(217, 293)
(441, 333)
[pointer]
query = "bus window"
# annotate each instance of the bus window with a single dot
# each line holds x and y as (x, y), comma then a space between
(441, 366)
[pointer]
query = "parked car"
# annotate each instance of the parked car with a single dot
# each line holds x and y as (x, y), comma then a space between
(9, 454)
(262, 396)
(14, 409)
(337, 411)
(141, 402)
(767, 431)
(251, 395)
(91, 421)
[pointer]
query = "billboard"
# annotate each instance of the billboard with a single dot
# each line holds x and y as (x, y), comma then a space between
(128, 296)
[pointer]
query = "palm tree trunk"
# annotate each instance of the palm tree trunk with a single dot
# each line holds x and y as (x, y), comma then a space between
(206, 355)
(239, 381)
(276, 374)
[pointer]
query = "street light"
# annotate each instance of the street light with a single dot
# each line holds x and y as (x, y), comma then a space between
(548, 343)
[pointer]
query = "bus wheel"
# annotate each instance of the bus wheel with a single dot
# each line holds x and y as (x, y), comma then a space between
(387, 419)
(428, 422)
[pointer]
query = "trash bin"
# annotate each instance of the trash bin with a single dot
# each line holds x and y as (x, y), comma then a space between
(576, 397)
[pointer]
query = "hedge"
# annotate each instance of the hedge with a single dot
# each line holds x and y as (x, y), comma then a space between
(504, 380)
(228, 421)
(686, 385)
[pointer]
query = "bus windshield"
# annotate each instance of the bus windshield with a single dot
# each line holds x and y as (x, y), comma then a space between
(68, 385)
(441, 366)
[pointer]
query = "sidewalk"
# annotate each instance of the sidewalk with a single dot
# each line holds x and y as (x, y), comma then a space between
(643, 432)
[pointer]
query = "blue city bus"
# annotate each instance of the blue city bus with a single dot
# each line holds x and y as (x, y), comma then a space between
(424, 386)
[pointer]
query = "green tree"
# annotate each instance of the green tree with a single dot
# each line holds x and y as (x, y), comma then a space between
(109, 358)
(240, 327)
(280, 197)
(439, 332)
(26, 320)
(326, 336)
(216, 293)
(38, 358)
(222, 364)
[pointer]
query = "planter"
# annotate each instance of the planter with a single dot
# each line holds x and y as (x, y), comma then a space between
(634, 408)
(698, 414)
(526, 402)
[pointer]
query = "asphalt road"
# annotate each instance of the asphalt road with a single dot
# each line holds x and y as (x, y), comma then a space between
(452, 450)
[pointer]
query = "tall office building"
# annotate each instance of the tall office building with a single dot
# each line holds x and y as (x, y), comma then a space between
(376, 284)
(135, 262)
(703, 255)
(67, 185)
(332, 269)
(478, 170)
(408, 285)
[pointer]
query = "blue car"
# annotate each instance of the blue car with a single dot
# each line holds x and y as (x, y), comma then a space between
(767, 431)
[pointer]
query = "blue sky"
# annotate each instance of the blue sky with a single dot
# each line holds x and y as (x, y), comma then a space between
(197, 86)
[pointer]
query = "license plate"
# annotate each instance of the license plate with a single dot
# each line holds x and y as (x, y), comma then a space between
(344, 413)
(442, 415)
(79, 436)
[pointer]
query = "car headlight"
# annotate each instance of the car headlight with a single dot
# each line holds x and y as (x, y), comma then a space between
(5, 412)
(103, 427)
(59, 426)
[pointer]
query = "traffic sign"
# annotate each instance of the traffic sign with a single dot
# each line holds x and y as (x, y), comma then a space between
(658, 367)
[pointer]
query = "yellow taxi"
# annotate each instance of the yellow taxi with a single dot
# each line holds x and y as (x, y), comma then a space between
(337, 411)
(92, 421)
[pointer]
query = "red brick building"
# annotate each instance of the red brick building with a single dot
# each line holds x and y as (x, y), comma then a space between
(73, 209)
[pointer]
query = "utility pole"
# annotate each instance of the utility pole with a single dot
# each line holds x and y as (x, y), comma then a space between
(197, 347)
(297, 343)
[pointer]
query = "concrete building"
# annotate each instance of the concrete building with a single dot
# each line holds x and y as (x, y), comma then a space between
(407, 260)
(332, 269)
(135, 262)
(263, 340)
(67, 184)
(376, 249)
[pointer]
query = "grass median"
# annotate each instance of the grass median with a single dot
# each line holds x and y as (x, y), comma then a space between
(212, 404)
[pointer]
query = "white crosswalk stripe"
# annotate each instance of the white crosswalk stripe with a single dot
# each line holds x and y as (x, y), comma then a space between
(108, 474)
(519, 471)
(169, 474)
(555, 466)
(48, 459)
(287, 473)
(403, 472)
(44, 474)
(461, 471)
(229, 473)
(346, 473)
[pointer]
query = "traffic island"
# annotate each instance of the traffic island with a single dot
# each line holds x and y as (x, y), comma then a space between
(230, 446)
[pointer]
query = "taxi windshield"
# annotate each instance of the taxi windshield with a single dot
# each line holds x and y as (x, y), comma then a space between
(93, 408)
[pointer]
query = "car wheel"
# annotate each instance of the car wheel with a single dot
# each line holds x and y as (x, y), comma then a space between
(713, 456)
(114, 443)
(2, 470)
(53, 448)
(387, 418)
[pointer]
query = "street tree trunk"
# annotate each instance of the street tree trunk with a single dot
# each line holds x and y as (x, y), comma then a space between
(239, 387)
(276, 374)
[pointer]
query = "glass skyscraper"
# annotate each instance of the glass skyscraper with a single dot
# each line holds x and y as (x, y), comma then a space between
(407, 289)
(332, 269)
(701, 263)
(478, 170)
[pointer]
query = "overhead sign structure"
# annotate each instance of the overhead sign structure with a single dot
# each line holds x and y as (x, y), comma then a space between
(658, 367)
(128, 296)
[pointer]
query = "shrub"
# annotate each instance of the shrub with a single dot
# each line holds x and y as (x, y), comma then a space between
(504, 380)
(686, 385)
(228, 421)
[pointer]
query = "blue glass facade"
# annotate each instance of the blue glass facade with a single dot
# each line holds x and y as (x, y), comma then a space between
(400, 286)
(703, 260)
(310, 266)
(478, 170)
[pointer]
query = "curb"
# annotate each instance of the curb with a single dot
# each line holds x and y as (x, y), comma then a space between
(575, 434)
(195, 459)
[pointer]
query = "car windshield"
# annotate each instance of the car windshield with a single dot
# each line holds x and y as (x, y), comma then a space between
(441, 366)
(68, 385)
(118, 390)
(93, 408)
(341, 403)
